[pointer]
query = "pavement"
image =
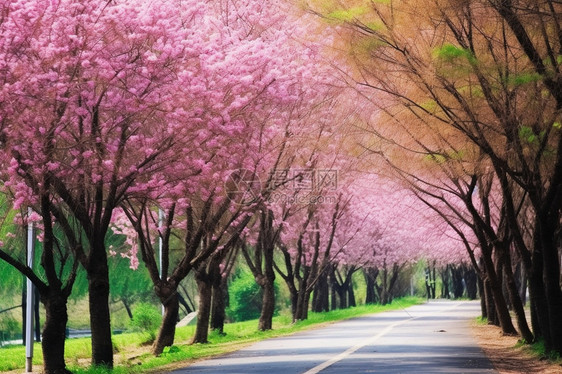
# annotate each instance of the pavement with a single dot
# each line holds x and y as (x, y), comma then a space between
(430, 338)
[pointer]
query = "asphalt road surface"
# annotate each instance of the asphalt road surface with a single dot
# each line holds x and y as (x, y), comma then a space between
(429, 338)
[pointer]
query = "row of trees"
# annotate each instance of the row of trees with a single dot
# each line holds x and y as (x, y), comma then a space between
(199, 131)
(113, 112)
(132, 104)
(472, 91)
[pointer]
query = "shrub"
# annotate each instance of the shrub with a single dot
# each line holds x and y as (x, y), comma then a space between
(9, 327)
(146, 319)
(245, 297)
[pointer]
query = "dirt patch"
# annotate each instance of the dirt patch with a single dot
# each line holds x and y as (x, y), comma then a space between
(506, 357)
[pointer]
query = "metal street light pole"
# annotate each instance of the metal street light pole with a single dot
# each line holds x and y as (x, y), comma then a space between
(160, 221)
(30, 298)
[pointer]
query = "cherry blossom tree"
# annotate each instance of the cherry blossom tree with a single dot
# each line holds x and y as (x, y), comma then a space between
(94, 101)
(243, 131)
(393, 238)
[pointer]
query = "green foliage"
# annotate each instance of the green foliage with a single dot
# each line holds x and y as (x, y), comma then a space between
(481, 320)
(9, 327)
(528, 135)
(12, 281)
(13, 239)
(375, 25)
(146, 319)
(472, 90)
(126, 283)
(539, 349)
(347, 15)
(435, 157)
(524, 78)
(245, 297)
(453, 54)
(429, 105)
(368, 44)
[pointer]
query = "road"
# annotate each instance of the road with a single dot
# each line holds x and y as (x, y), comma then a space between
(429, 338)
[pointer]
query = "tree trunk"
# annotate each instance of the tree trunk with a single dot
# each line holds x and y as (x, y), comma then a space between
(521, 281)
(316, 297)
(495, 287)
(427, 287)
(267, 281)
(265, 278)
(218, 308)
(483, 303)
(351, 295)
(370, 275)
(184, 303)
(268, 305)
(100, 320)
(294, 300)
(537, 296)
(519, 275)
(502, 279)
(514, 298)
(24, 312)
(457, 278)
(429, 283)
(37, 324)
(302, 304)
(169, 298)
(389, 293)
(551, 276)
(321, 298)
(127, 308)
(433, 282)
(384, 294)
(339, 292)
(334, 296)
(342, 295)
(203, 314)
(445, 293)
(490, 305)
(303, 296)
(471, 283)
(54, 333)
(502, 311)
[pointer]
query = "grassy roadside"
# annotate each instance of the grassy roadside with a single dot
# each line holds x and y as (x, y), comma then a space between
(509, 356)
(133, 357)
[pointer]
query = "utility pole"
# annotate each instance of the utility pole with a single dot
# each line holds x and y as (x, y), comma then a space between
(30, 299)
(160, 224)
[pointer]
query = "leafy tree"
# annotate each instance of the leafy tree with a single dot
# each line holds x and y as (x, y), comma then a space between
(490, 95)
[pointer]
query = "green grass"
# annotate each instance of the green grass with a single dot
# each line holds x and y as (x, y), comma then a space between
(133, 358)
(481, 320)
(538, 350)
